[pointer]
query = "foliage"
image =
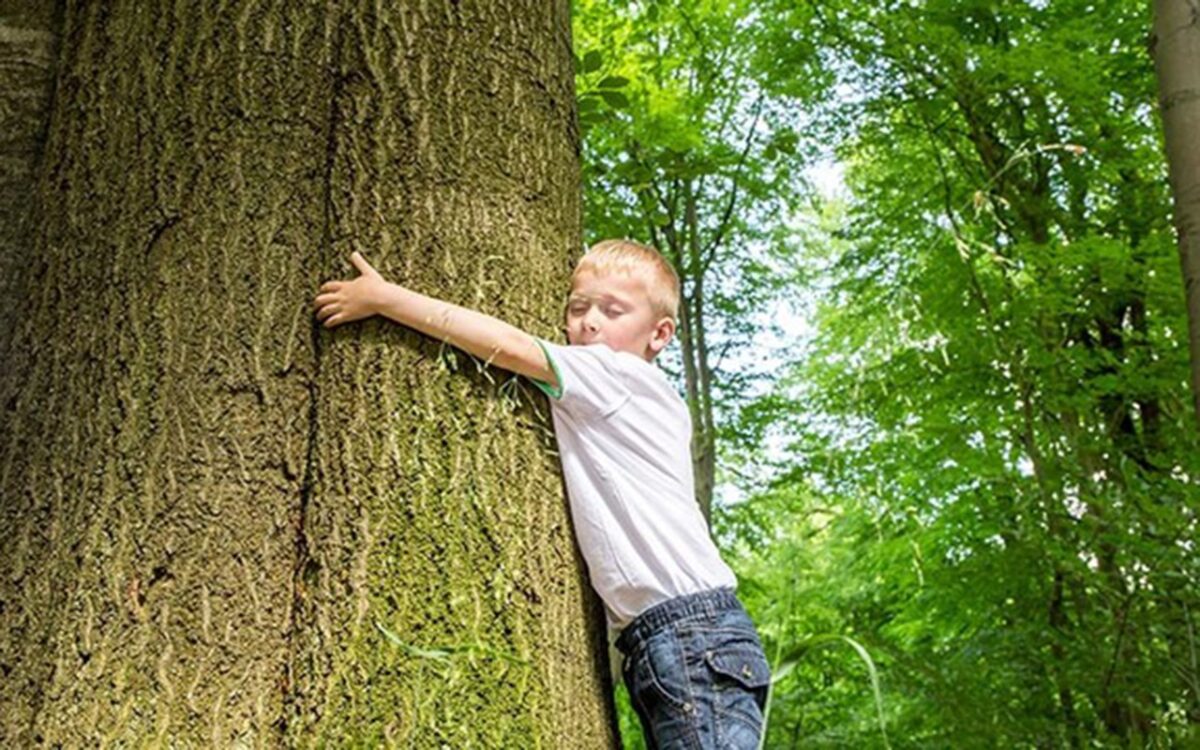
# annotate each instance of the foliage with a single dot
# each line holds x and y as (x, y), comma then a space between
(995, 402)
(989, 478)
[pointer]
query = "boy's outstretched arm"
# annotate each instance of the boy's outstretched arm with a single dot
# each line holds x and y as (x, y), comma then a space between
(483, 336)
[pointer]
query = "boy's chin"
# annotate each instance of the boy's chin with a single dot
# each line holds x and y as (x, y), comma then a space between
(639, 353)
(628, 349)
(586, 340)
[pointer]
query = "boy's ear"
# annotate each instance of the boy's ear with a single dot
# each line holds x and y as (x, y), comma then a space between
(663, 331)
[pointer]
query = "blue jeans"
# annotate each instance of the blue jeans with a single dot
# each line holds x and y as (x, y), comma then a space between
(696, 673)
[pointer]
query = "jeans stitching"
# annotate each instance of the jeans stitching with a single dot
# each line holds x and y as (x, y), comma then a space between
(661, 688)
(687, 719)
(733, 713)
(722, 685)
(687, 675)
(677, 638)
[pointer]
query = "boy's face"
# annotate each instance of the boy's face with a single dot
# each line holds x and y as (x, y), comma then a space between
(615, 309)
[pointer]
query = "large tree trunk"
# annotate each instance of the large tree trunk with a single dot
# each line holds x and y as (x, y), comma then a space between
(217, 517)
(1177, 62)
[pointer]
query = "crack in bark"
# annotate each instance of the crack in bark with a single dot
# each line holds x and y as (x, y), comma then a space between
(303, 565)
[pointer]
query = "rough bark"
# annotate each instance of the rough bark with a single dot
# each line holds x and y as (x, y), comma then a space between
(215, 515)
(1176, 46)
(28, 41)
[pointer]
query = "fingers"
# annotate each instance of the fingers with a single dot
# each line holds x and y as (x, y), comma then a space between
(328, 303)
(360, 263)
(332, 315)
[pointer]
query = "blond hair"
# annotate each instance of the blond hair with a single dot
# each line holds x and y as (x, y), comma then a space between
(640, 261)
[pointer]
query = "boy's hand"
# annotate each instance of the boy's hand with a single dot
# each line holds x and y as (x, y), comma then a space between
(346, 301)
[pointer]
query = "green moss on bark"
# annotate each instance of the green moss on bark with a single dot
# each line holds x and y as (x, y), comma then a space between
(212, 508)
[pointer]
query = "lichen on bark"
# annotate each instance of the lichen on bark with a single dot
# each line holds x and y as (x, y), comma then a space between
(217, 518)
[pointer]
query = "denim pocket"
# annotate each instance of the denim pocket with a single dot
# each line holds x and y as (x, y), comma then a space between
(740, 675)
(659, 672)
(742, 662)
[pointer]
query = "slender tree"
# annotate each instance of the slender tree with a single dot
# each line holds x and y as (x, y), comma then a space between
(1176, 47)
(222, 525)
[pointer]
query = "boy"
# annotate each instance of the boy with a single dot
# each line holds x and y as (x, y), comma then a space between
(694, 666)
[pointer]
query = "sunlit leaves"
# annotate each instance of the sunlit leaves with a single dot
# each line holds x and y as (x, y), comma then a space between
(995, 398)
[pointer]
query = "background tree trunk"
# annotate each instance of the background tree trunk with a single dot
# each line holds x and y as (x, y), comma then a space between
(1177, 62)
(217, 518)
(682, 249)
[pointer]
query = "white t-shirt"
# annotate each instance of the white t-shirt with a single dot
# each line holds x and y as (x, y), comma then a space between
(624, 437)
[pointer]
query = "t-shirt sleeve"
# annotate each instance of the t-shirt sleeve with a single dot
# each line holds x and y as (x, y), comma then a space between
(590, 382)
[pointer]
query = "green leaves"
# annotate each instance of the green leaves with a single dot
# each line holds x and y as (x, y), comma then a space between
(599, 94)
(590, 63)
(784, 143)
(979, 469)
(614, 99)
(613, 82)
(793, 657)
(992, 400)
